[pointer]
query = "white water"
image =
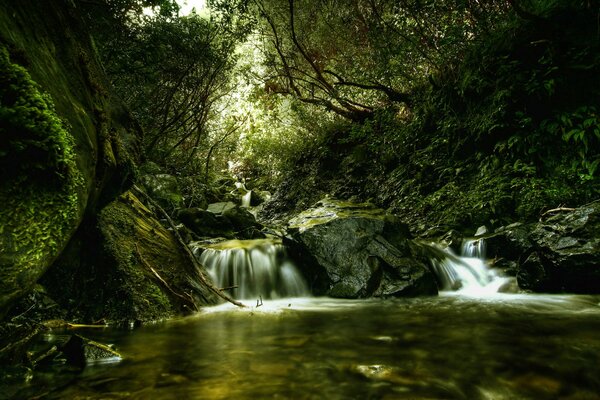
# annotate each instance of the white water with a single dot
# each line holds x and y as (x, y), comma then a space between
(256, 269)
(246, 198)
(468, 273)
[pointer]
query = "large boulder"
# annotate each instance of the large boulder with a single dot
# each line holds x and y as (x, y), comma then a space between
(351, 250)
(565, 254)
(137, 272)
(66, 145)
(508, 247)
(205, 223)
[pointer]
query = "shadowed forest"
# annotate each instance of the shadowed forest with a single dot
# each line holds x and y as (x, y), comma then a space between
(297, 169)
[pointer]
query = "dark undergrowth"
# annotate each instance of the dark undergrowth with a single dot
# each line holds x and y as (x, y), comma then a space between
(511, 131)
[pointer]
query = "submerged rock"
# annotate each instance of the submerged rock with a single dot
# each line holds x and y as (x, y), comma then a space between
(352, 250)
(251, 269)
(80, 351)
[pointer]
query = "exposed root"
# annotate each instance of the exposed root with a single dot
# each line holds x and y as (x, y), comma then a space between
(188, 252)
(188, 299)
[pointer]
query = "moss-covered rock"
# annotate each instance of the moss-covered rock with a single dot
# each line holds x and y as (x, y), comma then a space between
(136, 272)
(351, 250)
(41, 183)
(66, 145)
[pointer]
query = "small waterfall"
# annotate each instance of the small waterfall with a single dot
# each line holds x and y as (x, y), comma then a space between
(253, 269)
(469, 272)
(246, 199)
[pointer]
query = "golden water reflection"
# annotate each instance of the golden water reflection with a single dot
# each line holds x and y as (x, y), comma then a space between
(448, 347)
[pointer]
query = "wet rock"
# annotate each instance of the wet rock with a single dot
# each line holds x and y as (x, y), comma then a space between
(482, 230)
(243, 223)
(566, 253)
(250, 198)
(205, 223)
(220, 208)
(510, 242)
(452, 239)
(232, 222)
(352, 250)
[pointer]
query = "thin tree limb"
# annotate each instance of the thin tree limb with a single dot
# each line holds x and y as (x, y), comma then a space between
(188, 252)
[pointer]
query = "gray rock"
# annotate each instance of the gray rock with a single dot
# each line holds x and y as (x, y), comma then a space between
(566, 253)
(452, 239)
(244, 223)
(205, 223)
(482, 230)
(352, 250)
(508, 246)
(220, 208)
(233, 222)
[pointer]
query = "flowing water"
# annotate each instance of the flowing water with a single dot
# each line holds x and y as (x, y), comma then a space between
(454, 346)
(252, 269)
(468, 273)
(447, 347)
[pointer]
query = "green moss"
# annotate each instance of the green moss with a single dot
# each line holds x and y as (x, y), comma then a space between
(132, 294)
(329, 209)
(40, 180)
(34, 140)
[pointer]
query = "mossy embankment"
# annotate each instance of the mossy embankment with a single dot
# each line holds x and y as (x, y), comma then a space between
(135, 272)
(68, 150)
(510, 131)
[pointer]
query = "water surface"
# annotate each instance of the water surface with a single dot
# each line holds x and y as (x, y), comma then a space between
(447, 347)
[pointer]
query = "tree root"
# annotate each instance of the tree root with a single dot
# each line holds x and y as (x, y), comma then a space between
(188, 252)
(189, 299)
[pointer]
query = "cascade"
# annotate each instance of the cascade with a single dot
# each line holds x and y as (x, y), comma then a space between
(252, 269)
(246, 199)
(469, 272)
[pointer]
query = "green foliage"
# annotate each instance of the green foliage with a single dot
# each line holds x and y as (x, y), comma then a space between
(582, 128)
(500, 135)
(172, 72)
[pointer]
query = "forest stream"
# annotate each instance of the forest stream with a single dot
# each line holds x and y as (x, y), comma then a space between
(505, 346)
(470, 343)
(300, 199)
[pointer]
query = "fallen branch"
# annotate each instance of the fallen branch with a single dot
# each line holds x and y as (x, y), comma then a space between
(188, 252)
(558, 209)
(165, 283)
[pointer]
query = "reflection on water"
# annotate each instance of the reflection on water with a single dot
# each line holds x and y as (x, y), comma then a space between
(448, 347)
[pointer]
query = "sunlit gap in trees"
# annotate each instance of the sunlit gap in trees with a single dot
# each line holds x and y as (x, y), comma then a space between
(186, 7)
